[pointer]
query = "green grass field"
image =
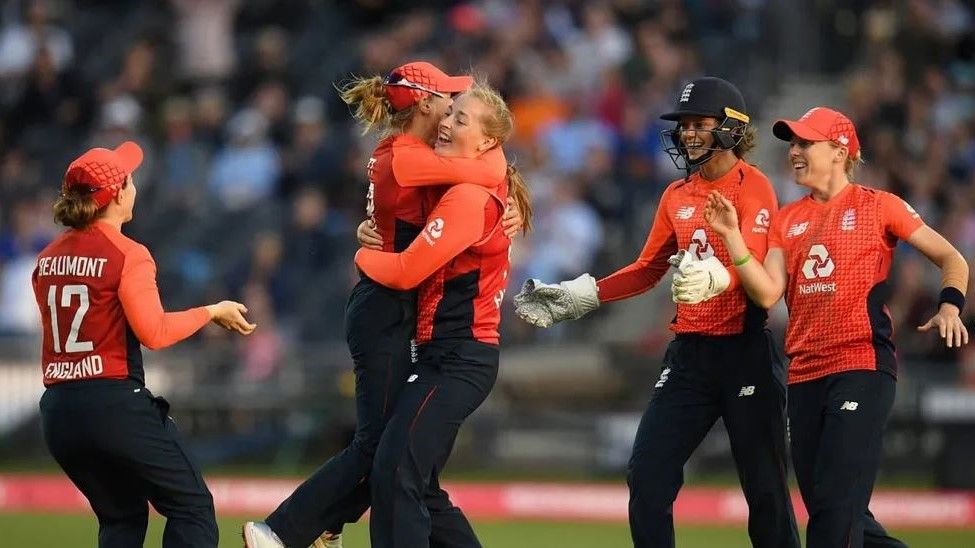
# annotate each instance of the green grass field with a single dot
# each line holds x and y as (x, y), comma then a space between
(55, 530)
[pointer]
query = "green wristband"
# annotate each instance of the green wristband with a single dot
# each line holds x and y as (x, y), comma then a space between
(743, 260)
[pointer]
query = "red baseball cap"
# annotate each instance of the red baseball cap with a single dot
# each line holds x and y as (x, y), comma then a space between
(102, 171)
(409, 83)
(821, 124)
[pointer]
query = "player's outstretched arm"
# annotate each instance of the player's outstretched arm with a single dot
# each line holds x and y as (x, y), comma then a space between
(154, 327)
(544, 305)
(416, 164)
(764, 284)
(454, 225)
(954, 283)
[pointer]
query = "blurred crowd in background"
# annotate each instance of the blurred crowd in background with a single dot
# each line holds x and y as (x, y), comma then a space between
(254, 178)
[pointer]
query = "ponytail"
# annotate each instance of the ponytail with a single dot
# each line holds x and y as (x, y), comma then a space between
(518, 191)
(372, 109)
(76, 208)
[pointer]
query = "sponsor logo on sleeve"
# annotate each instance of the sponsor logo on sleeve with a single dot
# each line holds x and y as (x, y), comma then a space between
(762, 221)
(433, 231)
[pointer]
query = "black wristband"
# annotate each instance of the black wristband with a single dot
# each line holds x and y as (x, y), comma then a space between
(952, 295)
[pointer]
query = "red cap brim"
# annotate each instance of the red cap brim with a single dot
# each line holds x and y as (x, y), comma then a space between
(129, 156)
(455, 84)
(785, 129)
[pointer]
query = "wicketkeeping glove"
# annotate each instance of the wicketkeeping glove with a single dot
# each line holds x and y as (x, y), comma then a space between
(698, 281)
(543, 305)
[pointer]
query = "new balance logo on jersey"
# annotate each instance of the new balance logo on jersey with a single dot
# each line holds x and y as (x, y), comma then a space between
(797, 229)
(746, 391)
(700, 247)
(433, 231)
(849, 406)
(761, 222)
(685, 95)
(818, 265)
(663, 378)
(685, 212)
(849, 220)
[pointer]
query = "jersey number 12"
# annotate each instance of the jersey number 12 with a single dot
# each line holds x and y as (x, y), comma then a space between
(68, 291)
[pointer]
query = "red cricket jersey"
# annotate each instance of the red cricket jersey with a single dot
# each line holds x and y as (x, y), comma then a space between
(679, 224)
(838, 255)
(96, 292)
(399, 166)
(459, 262)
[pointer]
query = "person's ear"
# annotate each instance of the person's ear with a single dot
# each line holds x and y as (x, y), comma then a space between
(487, 144)
(841, 154)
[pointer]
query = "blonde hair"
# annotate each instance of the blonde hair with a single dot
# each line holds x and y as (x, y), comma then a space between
(499, 124)
(76, 208)
(749, 139)
(372, 109)
(852, 163)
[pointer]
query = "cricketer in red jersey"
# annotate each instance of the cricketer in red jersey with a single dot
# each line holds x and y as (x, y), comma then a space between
(98, 302)
(721, 362)
(380, 321)
(459, 263)
(830, 254)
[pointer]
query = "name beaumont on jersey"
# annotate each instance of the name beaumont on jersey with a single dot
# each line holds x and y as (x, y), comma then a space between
(71, 265)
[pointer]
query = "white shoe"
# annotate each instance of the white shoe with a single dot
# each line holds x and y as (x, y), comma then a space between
(257, 534)
(328, 540)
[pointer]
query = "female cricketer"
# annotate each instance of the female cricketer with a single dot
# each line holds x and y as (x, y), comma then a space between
(98, 301)
(721, 362)
(407, 106)
(460, 265)
(830, 254)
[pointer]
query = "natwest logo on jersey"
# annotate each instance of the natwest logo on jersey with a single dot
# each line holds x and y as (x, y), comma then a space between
(818, 266)
(762, 221)
(433, 231)
(700, 247)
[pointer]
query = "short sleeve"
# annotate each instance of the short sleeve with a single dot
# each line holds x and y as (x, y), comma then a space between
(776, 237)
(898, 218)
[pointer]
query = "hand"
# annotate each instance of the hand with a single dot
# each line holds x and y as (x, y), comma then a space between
(698, 281)
(512, 222)
(368, 236)
(949, 325)
(721, 214)
(543, 305)
(230, 316)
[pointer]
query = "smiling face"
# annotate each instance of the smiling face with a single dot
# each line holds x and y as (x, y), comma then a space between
(814, 162)
(461, 132)
(696, 136)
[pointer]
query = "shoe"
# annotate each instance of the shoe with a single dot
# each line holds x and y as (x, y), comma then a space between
(328, 540)
(257, 534)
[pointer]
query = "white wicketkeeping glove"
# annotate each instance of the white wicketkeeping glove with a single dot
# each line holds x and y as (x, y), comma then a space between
(543, 305)
(697, 281)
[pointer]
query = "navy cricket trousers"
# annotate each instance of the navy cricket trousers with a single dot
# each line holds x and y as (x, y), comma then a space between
(741, 379)
(117, 444)
(836, 425)
(379, 324)
(450, 381)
